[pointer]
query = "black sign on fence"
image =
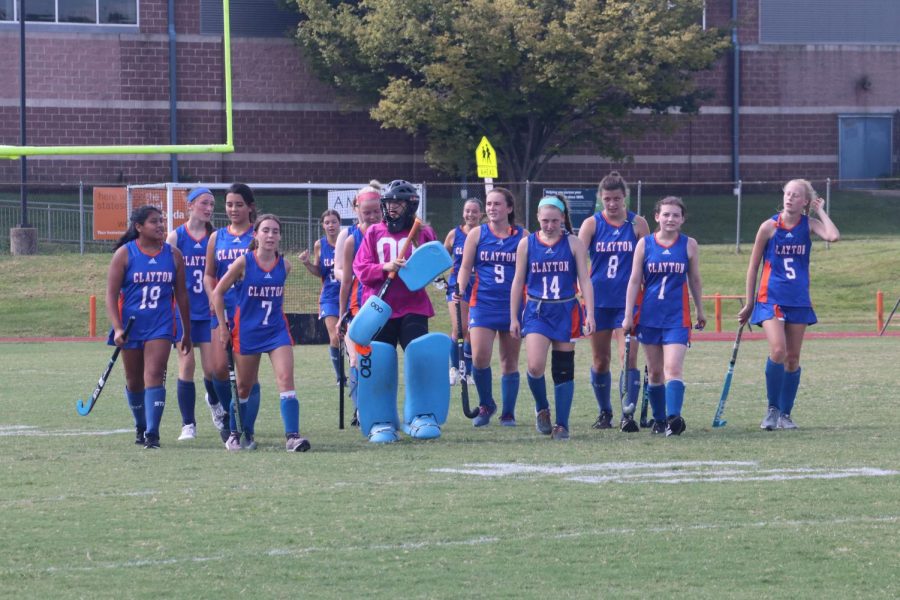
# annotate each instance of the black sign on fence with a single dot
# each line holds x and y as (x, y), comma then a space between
(582, 203)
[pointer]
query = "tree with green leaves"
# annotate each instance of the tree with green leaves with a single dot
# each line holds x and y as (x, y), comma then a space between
(534, 76)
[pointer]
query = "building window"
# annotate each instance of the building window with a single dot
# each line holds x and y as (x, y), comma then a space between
(89, 12)
(829, 22)
(251, 18)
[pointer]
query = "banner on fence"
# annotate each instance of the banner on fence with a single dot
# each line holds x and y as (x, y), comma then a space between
(110, 213)
(582, 202)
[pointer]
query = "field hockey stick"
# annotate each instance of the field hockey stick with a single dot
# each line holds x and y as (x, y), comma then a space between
(890, 316)
(460, 341)
(342, 376)
(623, 379)
(645, 398)
(232, 378)
(718, 421)
(85, 409)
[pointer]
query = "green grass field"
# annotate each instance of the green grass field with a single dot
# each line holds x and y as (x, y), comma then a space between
(733, 512)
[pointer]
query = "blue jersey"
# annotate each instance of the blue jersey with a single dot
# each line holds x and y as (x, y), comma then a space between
(355, 300)
(194, 252)
(459, 241)
(665, 300)
(228, 248)
(260, 324)
(785, 276)
(331, 287)
(148, 293)
(552, 271)
(612, 252)
(494, 268)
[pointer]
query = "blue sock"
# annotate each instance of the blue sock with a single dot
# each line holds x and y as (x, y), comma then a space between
(251, 409)
(187, 399)
(601, 382)
(774, 381)
(135, 402)
(674, 397)
(335, 361)
(563, 393)
(454, 356)
(789, 391)
(634, 390)
(290, 413)
(223, 392)
(354, 385)
(211, 392)
(657, 393)
(467, 355)
(484, 385)
(154, 403)
(509, 392)
(538, 387)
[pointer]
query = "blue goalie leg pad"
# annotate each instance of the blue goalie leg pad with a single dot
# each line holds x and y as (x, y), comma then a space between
(509, 392)
(186, 393)
(154, 404)
(427, 402)
(774, 382)
(657, 393)
(135, 402)
(674, 397)
(563, 394)
(538, 386)
(369, 321)
(290, 413)
(377, 390)
(601, 383)
(484, 384)
(789, 391)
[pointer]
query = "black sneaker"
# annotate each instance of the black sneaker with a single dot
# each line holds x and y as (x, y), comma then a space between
(675, 425)
(628, 424)
(657, 428)
(138, 436)
(604, 421)
(151, 442)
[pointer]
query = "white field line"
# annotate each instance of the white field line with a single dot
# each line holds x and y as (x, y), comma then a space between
(477, 541)
(505, 469)
(731, 475)
(28, 431)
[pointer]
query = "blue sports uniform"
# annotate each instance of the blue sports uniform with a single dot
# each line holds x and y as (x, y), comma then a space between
(551, 308)
(355, 300)
(494, 269)
(459, 241)
(612, 251)
(664, 316)
(228, 248)
(194, 252)
(331, 287)
(784, 286)
(148, 295)
(259, 322)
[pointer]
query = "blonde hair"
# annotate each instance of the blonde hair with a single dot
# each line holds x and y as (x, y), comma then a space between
(808, 189)
(374, 187)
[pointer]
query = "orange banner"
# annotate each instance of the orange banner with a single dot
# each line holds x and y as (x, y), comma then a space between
(111, 208)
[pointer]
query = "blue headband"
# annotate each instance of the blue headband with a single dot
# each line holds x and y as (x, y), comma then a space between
(554, 202)
(196, 193)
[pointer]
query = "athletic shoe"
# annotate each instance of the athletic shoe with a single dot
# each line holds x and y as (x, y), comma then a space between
(354, 422)
(785, 422)
(249, 443)
(295, 443)
(138, 436)
(675, 426)
(559, 433)
(484, 416)
(383, 433)
(218, 415)
(508, 420)
(454, 375)
(542, 421)
(604, 421)
(771, 420)
(188, 432)
(233, 443)
(658, 428)
(151, 442)
(628, 424)
(423, 427)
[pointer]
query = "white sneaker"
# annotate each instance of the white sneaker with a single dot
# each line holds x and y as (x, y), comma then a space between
(771, 420)
(218, 414)
(188, 432)
(785, 422)
(233, 443)
(454, 375)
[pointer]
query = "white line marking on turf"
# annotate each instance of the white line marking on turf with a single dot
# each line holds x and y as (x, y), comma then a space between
(665, 472)
(478, 541)
(28, 431)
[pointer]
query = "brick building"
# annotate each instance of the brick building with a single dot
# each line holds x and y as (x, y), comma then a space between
(818, 92)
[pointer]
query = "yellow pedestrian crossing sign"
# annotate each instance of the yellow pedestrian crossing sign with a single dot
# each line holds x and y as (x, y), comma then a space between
(486, 159)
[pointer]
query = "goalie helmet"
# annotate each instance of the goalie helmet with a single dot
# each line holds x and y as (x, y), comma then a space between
(400, 191)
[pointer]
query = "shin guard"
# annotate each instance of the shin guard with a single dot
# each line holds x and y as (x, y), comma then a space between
(427, 387)
(377, 391)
